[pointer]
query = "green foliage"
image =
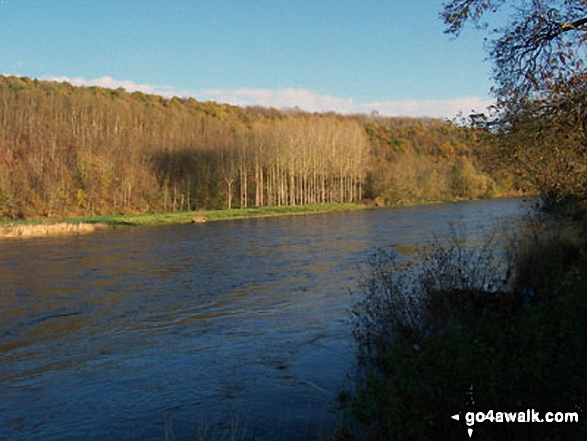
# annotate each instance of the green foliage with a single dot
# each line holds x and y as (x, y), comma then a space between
(150, 219)
(15, 86)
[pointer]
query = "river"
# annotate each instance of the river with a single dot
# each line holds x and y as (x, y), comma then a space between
(233, 327)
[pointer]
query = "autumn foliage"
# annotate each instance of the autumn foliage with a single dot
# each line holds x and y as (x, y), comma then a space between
(68, 150)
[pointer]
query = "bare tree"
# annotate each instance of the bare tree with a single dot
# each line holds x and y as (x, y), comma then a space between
(543, 42)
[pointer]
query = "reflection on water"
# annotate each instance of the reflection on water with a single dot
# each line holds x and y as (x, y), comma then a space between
(113, 335)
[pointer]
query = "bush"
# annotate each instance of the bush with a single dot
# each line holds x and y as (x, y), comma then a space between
(409, 302)
(545, 253)
(451, 333)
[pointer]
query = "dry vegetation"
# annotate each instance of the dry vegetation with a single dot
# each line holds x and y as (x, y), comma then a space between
(39, 230)
(417, 160)
(86, 151)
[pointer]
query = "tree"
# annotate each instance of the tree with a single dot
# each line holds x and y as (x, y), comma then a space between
(543, 43)
(540, 120)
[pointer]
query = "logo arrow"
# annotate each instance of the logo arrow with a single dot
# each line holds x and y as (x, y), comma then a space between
(456, 417)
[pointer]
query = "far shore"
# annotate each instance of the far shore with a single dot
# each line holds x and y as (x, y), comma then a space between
(83, 225)
(50, 227)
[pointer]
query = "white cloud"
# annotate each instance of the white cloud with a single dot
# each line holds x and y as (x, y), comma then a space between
(302, 98)
(434, 108)
(307, 100)
(280, 99)
(111, 83)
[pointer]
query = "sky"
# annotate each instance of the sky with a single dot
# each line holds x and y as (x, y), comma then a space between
(347, 56)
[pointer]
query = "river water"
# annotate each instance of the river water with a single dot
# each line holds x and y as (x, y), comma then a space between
(227, 328)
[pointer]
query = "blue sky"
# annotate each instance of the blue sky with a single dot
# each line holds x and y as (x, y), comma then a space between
(342, 55)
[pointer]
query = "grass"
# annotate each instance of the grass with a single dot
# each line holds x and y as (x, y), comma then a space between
(31, 227)
(77, 225)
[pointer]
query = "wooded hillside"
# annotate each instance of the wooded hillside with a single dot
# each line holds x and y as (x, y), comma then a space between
(68, 150)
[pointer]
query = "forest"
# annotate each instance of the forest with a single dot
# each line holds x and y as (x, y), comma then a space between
(69, 150)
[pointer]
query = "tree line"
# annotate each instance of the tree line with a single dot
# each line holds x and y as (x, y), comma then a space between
(538, 126)
(425, 159)
(68, 150)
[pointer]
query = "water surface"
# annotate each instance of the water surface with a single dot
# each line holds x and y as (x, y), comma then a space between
(124, 334)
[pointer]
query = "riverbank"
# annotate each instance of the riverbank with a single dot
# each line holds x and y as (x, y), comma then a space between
(503, 343)
(49, 229)
(259, 302)
(82, 225)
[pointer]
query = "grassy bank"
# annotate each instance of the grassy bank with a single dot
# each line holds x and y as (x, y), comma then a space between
(78, 225)
(46, 227)
(216, 215)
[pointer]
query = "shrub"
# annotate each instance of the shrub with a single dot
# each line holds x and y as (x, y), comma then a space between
(545, 253)
(411, 301)
(435, 339)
